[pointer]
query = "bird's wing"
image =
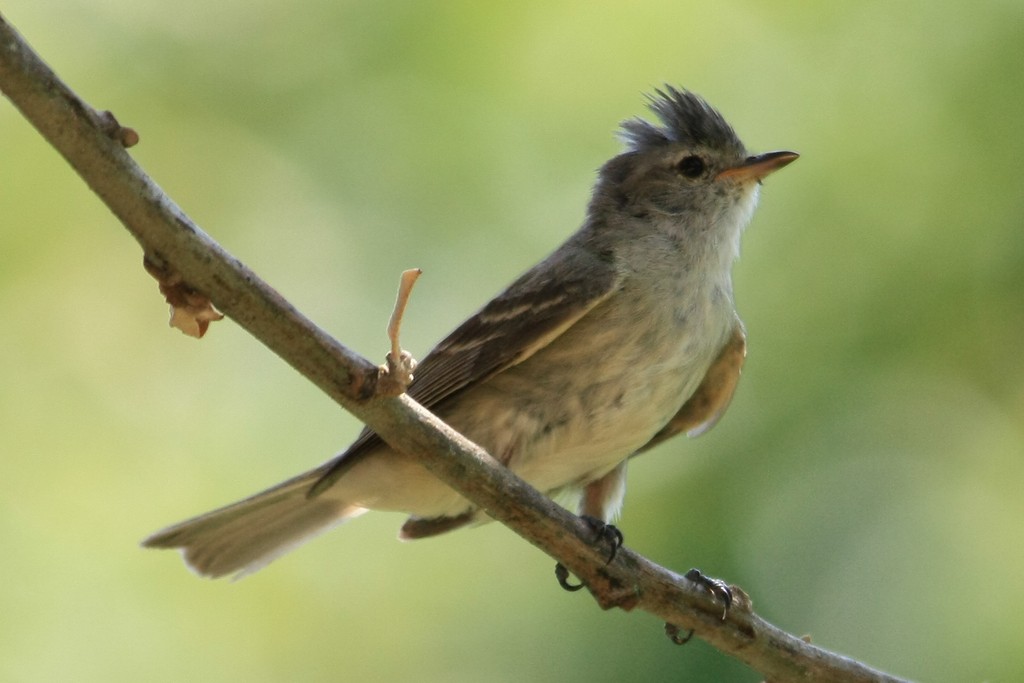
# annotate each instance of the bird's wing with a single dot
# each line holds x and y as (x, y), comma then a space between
(702, 410)
(535, 309)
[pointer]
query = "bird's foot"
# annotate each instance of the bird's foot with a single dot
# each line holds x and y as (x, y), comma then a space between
(718, 588)
(607, 533)
(603, 533)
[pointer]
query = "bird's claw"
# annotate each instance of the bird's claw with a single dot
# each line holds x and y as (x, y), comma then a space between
(718, 588)
(672, 631)
(562, 574)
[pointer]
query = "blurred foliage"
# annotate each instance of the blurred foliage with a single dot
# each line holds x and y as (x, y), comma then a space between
(864, 487)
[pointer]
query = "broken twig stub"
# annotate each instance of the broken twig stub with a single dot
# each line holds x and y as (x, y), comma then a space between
(396, 374)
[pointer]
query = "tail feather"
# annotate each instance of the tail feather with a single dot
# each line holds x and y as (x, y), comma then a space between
(245, 536)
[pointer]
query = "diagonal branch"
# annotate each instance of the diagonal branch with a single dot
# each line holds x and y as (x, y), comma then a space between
(94, 144)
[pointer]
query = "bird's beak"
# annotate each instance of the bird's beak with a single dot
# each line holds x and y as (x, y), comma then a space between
(757, 167)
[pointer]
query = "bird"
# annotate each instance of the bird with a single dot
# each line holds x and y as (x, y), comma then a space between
(623, 337)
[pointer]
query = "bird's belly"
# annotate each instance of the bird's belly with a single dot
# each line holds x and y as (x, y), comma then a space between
(588, 432)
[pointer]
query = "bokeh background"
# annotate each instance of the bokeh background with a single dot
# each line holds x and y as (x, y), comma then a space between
(865, 487)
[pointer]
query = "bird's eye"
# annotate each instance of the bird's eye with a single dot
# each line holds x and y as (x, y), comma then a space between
(691, 167)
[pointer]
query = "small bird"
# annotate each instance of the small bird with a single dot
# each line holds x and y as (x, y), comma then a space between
(623, 337)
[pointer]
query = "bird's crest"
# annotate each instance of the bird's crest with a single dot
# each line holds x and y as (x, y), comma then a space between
(686, 119)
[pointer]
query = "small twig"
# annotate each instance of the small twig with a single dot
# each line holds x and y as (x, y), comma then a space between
(396, 374)
(128, 137)
(405, 286)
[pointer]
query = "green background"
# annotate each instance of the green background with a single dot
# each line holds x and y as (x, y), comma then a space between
(865, 487)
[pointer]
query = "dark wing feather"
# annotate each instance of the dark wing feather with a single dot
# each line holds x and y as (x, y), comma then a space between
(534, 310)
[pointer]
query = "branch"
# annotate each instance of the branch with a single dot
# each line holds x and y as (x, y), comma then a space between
(94, 144)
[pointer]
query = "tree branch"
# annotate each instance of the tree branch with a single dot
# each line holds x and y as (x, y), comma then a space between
(94, 144)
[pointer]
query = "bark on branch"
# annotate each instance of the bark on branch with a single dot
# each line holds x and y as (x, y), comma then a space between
(94, 145)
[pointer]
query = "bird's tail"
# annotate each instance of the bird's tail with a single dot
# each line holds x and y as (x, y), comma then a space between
(245, 536)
